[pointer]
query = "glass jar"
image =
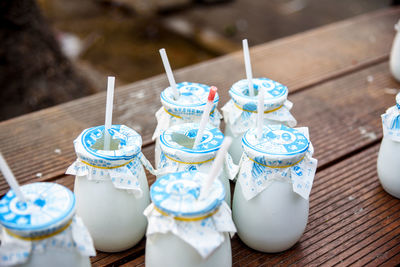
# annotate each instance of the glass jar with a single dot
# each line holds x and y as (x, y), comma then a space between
(388, 157)
(395, 54)
(240, 112)
(184, 229)
(43, 231)
(270, 202)
(111, 187)
(178, 155)
(188, 108)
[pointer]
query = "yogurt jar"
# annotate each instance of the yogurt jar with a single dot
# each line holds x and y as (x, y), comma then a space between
(270, 201)
(44, 230)
(395, 54)
(111, 187)
(188, 108)
(184, 229)
(240, 112)
(388, 157)
(178, 155)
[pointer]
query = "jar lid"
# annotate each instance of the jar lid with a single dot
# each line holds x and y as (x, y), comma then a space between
(127, 144)
(48, 205)
(191, 94)
(275, 94)
(177, 194)
(278, 140)
(181, 137)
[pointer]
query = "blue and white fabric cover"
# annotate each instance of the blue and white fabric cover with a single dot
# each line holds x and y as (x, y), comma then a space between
(241, 110)
(284, 154)
(391, 121)
(122, 165)
(48, 218)
(176, 198)
(178, 155)
(188, 108)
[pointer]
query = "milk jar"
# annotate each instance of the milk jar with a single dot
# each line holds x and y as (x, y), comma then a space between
(240, 113)
(270, 201)
(389, 153)
(111, 187)
(184, 229)
(188, 108)
(178, 155)
(43, 231)
(395, 54)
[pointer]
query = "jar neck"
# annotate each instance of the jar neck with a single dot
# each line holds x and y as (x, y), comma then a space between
(189, 219)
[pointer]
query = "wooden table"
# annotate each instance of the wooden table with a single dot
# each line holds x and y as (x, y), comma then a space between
(339, 81)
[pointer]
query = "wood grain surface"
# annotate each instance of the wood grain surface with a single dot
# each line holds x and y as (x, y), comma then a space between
(339, 82)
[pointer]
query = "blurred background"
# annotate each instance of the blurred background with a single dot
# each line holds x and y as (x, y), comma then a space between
(53, 51)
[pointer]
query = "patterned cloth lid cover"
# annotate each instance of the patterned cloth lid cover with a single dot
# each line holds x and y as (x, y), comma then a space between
(130, 143)
(278, 141)
(48, 205)
(178, 193)
(275, 94)
(398, 100)
(192, 95)
(186, 133)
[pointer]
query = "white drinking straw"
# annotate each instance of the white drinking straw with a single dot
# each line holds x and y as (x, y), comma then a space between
(206, 115)
(216, 166)
(169, 73)
(260, 113)
(247, 64)
(10, 178)
(109, 109)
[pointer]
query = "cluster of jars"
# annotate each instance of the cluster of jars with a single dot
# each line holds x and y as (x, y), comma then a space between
(113, 207)
(273, 177)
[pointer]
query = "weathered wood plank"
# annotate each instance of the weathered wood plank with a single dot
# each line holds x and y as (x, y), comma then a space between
(29, 142)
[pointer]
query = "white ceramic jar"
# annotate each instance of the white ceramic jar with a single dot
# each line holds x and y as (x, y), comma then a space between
(185, 230)
(188, 108)
(270, 202)
(177, 153)
(240, 112)
(43, 231)
(395, 54)
(111, 187)
(389, 152)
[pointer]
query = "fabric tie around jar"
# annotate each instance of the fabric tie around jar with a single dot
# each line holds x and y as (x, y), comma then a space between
(188, 108)
(391, 121)
(241, 110)
(284, 154)
(46, 221)
(120, 164)
(177, 208)
(178, 155)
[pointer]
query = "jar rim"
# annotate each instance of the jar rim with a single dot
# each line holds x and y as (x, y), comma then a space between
(49, 206)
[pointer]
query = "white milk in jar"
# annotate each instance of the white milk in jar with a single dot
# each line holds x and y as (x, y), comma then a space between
(395, 54)
(389, 152)
(43, 231)
(177, 153)
(184, 229)
(240, 112)
(270, 201)
(188, 108)
(111, 187)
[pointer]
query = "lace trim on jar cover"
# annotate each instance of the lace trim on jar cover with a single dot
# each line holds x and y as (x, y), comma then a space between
(241, 110)
(121, 166)
(189, 108)
(256, 173)
(391, 122)
(17, 250)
